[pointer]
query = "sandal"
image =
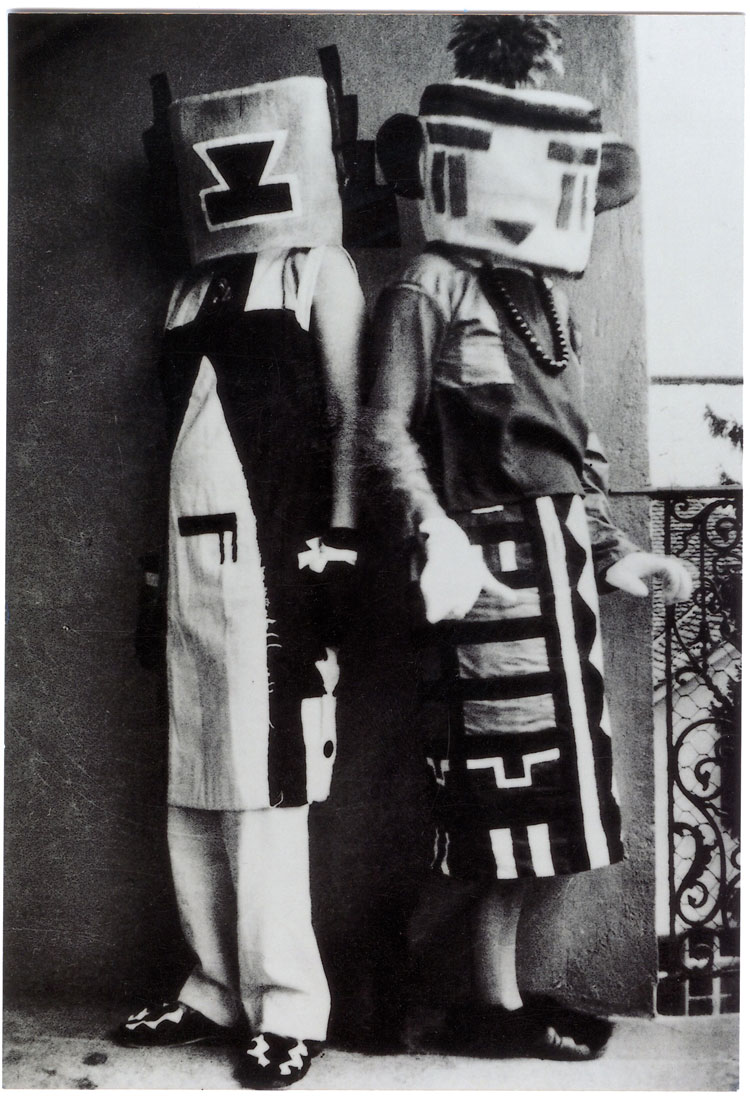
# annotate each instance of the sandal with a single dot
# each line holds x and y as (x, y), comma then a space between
(542, 1028)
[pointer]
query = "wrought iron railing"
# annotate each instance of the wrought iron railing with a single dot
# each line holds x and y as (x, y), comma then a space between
(697, 670)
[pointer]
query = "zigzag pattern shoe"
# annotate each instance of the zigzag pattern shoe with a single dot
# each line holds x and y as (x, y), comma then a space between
(172, 1024)
(275, 1061)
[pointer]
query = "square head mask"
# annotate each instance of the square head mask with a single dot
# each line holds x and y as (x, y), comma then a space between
(516, 173)
(256, 168)
(510, 172)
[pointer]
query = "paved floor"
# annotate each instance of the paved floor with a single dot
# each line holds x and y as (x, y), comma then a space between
(65, 1048)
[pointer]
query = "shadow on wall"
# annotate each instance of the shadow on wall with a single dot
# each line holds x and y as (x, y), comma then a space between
(89, 908)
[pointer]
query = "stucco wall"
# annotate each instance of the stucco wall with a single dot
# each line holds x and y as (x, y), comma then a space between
(88, 900)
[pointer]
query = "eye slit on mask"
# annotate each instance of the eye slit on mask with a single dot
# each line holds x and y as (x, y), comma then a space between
(572, 154)
(456, 183)
(438, 181)
(566, 201)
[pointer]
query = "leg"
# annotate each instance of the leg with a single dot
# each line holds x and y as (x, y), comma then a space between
(440, 956)
(502, 1024)
(495, 930)
(208, 1008)
(440, 939)
(206, 903)
(282, 982)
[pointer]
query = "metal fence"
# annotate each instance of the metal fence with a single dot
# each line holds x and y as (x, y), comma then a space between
(697, 672)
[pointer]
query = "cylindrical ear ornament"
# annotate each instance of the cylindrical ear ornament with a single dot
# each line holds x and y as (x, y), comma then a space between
(619, 174)
(399, 147)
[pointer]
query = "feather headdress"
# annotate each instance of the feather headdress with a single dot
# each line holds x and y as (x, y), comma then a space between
(515, 51)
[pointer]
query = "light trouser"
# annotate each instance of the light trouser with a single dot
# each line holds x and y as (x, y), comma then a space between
(242, 880)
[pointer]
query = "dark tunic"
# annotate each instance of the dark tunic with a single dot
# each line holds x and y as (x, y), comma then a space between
(515, 719)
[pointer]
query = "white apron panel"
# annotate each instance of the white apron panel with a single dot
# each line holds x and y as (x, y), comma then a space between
(319, 730)
(217, 627)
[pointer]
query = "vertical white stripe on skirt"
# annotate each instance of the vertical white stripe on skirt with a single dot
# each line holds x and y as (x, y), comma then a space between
(596, 838)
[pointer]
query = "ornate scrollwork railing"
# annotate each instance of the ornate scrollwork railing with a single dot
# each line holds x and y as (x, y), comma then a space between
(697, 690)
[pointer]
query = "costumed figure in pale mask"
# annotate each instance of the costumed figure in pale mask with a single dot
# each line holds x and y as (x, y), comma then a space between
(477, 418)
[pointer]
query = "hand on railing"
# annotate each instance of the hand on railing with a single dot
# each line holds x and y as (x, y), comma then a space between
(628, 574)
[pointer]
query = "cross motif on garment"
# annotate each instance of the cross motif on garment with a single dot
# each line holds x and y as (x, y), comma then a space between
(319, 554)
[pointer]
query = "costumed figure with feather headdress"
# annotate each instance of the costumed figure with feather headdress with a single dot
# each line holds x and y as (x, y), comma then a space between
(477, 418)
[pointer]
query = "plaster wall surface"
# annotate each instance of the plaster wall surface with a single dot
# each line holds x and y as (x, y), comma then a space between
(89, 908)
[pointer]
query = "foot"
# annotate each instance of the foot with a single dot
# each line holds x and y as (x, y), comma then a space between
(542, 1028)
(275, 1061)
(568, 1035)
(172, 1025)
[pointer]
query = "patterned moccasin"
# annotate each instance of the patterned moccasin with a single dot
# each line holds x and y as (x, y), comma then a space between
(275, 1061)
(172, 1024)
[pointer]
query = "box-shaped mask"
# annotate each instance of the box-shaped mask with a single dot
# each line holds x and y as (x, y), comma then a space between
(256, 168)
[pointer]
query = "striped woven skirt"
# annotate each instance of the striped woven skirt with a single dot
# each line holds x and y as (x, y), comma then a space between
(516, 721)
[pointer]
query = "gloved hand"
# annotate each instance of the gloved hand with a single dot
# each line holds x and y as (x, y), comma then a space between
(628, 574)
(455, 573)
(330, 569)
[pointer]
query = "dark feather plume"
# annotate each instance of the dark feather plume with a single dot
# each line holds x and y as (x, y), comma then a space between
(514, 51)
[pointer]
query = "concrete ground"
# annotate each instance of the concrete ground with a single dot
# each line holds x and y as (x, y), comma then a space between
(66, 1047)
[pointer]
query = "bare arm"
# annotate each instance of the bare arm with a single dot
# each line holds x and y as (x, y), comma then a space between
(337, 322)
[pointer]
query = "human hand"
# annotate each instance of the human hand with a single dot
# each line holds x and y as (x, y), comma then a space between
(629, 573)
(455, 573)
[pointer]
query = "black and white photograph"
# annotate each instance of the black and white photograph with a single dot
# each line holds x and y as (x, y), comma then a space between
(373, 550)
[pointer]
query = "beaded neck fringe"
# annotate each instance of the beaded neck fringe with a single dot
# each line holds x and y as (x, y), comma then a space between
(559, 341)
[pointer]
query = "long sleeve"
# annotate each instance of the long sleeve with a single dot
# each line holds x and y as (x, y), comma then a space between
(338, 322)
(407, 331)
(608, 542)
